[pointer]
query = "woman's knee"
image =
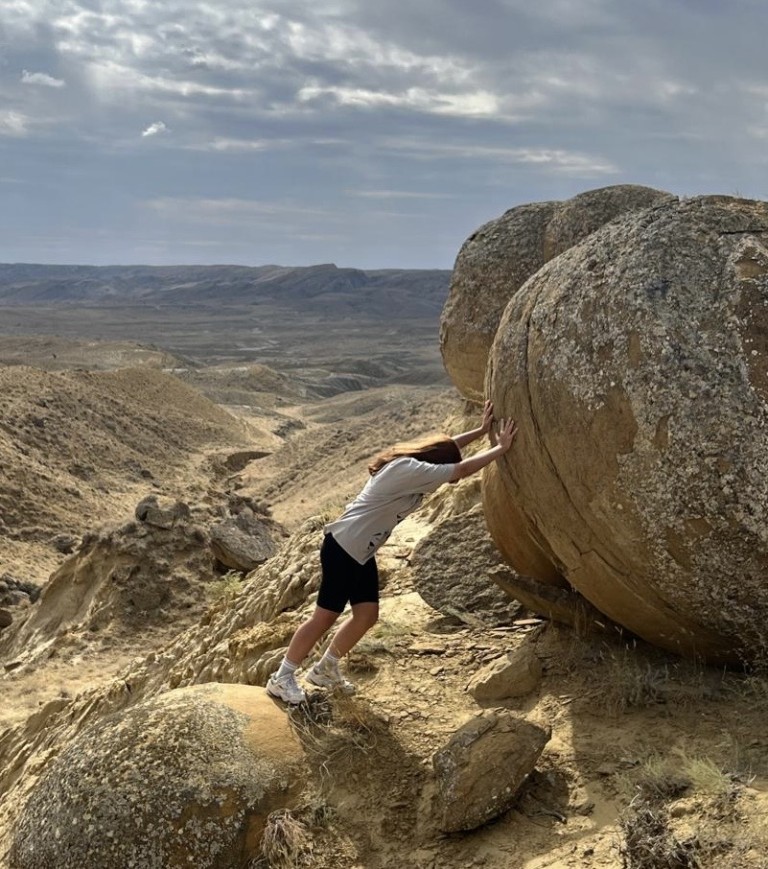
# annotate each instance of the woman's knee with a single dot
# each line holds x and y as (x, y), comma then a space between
(323, 618)
(366, 615)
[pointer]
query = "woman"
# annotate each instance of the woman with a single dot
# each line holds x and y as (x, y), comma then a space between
(400, 477)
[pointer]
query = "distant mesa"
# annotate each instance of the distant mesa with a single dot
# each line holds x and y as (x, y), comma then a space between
(391, 292)
(635, 360)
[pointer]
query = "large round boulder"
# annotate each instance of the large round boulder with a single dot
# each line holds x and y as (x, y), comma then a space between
(501, 255)
(185, 779)
(636, 364)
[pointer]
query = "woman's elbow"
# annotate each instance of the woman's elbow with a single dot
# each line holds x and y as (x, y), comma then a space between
(460, 470)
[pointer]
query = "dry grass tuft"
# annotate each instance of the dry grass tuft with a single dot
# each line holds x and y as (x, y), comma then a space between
(706, 776)
(752, 686)
(657, 780)
(286, 843)
(661, 778)
(632, 682)
(386, 636)
(225, 589)
(636, 680)
(360, 662)
(335, 729)
(648, 843)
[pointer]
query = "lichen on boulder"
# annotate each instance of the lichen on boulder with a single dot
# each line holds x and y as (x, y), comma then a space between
(636, 365)
(497, 259)
(184, 779)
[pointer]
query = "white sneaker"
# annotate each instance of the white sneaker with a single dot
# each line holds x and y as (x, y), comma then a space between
(287, 689)
(329, 678)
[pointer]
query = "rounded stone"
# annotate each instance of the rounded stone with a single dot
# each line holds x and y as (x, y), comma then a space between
(185, 779)
(513, 675)
(636, 364)
(497, 259)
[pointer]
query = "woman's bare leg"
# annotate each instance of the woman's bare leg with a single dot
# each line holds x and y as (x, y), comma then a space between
(309, 633)
(364, 617)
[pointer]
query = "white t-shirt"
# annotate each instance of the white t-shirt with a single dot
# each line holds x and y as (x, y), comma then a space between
(388, 497)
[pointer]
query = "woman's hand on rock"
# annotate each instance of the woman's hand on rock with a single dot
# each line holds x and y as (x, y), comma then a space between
(487, 417)
(506, 433)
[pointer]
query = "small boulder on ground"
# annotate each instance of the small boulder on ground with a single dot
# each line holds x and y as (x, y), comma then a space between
(185, 779)
(513, 675)
(481, 768)
(17, 592)
(64, 543)
(242, 542)
(6, 619)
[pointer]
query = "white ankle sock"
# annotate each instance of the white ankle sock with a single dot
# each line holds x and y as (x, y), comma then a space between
(287, 668)
(329, 661)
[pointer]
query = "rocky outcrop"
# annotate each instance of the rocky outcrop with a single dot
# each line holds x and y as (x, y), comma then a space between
(479, 771)
(17, 592)
(501, 255)
(161, 515)
(452, 567)
(185, 779)
(636, 364)
(129, 579)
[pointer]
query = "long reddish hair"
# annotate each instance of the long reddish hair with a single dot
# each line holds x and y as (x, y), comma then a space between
(435, 449)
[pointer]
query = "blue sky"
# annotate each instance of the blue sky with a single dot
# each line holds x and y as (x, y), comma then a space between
(367, 134)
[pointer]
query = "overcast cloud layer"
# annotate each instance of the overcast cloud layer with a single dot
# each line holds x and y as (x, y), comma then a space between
(367, 134)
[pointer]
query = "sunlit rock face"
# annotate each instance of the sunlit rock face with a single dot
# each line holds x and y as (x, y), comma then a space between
(500, 256)
(636, 364)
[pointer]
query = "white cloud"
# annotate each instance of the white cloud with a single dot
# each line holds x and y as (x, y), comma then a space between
(357, 49)
(474, 104)
(555, 159)
(155, 129)
(109, 78)
(41, 78)
(224, 144)
(13, 124)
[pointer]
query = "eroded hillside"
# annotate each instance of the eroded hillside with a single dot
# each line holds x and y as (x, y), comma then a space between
(78, 448)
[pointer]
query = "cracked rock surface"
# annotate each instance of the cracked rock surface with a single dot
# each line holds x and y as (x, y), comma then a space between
(636, 364)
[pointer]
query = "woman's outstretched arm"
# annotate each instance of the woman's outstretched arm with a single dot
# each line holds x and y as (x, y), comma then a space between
(467, 437)
(505, 437)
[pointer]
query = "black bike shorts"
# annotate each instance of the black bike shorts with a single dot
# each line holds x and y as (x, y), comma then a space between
(344, 579)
